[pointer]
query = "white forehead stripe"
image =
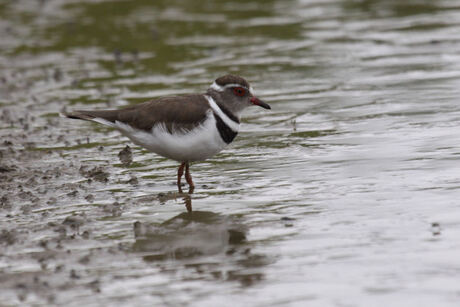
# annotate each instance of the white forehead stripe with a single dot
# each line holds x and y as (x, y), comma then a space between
(221, 88)
(230, 123)
(217, 87)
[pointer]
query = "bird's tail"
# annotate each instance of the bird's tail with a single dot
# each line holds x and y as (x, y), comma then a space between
(105, 117)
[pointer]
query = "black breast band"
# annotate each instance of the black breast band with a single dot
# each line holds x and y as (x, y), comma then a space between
(226, 133)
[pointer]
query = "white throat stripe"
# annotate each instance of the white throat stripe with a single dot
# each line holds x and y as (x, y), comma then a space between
(230, 123)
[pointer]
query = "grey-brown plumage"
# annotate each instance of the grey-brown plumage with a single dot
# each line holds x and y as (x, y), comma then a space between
(175, 113)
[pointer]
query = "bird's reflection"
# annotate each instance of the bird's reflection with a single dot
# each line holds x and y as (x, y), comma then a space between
(187, 201)
(186, 196)
(202, 240)
(192, 232)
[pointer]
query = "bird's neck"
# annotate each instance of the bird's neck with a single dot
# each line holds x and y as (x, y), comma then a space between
(232, 111)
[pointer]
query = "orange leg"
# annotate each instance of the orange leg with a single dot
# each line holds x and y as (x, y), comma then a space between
(188, 177)
(180, 172)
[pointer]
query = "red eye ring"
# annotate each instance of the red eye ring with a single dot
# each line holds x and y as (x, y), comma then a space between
(239, 91)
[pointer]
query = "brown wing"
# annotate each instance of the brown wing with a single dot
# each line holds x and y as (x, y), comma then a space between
(180, 112)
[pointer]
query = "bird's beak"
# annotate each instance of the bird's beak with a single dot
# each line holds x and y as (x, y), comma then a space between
(256, 101)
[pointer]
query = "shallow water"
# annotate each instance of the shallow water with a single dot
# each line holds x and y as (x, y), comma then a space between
(344, 194)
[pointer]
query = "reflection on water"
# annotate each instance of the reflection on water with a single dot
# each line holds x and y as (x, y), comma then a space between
(345, 194)
(192, 237)
(189, 234)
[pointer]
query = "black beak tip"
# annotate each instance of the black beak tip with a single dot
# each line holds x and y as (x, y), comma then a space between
(263, 104)
(256, 101)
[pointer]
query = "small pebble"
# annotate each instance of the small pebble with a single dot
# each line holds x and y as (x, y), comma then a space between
(126, 156)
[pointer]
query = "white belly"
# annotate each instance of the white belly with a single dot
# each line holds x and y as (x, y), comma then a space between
(198, 144)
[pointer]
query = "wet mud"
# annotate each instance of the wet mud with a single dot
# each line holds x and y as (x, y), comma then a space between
(344, 194)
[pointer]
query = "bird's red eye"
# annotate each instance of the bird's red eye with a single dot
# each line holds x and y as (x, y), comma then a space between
(239, 91)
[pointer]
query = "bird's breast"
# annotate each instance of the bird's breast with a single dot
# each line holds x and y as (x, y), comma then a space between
(197, 144)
